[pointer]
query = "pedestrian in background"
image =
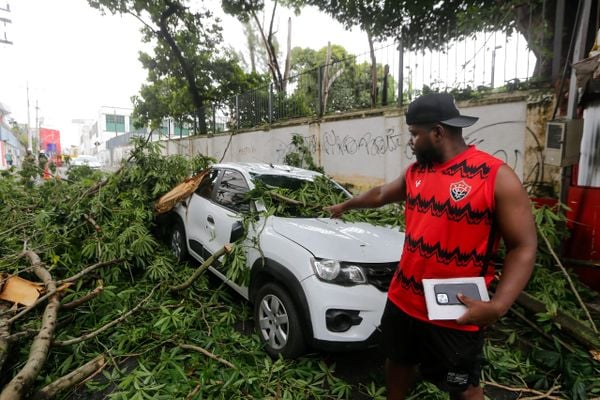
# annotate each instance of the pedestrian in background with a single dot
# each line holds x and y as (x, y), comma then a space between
(9, 158)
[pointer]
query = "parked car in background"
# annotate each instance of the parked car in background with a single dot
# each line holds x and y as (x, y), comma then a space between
(314, 282)
(84, 160)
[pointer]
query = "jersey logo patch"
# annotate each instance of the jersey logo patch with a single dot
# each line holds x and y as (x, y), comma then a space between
(459, 190)
(418, 183)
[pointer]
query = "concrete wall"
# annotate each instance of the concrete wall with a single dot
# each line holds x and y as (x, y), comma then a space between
(371, 147)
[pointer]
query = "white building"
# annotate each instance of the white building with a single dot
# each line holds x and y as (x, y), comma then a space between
(115, 127)
(11, 150)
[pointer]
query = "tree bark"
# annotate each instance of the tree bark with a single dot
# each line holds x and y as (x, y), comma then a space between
(71, 379)
(207, 353)
(536, 24)
(84, 299)
(4, 333)
(271, 53)
(251, 39)
(201, 268)
(325, 79)
(41, 344)
(288, 57)
(185, 66)
(373, 70)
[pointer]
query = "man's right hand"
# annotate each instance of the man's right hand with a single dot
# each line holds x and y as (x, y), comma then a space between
(335, 210)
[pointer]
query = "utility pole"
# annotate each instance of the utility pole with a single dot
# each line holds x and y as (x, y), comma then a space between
(37, 127)
(29, 138)
(5, 21)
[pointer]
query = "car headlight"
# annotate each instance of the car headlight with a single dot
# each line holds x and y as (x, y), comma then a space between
(335, 272)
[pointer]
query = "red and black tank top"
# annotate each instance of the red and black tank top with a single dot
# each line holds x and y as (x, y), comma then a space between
(449, 228)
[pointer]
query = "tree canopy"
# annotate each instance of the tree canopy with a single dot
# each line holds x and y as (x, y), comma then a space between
(429, 24)
(189, 67)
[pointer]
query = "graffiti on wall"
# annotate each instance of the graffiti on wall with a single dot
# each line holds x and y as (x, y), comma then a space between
(246, 151)
(370, 144)
(367, 143)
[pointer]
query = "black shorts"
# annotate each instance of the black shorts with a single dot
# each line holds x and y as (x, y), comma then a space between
(449, 358)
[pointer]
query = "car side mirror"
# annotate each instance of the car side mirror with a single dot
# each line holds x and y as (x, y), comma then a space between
(237, 232)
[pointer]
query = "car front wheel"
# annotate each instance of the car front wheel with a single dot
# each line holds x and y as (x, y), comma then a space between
(278, 322)
(178, 243)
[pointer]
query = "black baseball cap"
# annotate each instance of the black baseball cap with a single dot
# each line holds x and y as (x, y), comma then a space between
(437, 107)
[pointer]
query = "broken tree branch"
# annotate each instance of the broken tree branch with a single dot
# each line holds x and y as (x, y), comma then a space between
(93, 222)
(206, 353)
(71, 379)
(209, 261)
(551, 338)
(89, 269)
(573, 327)
(28, 333)
(539, 395)
(84, 299)
(41, 344)
(564, 270)
(4, 333)
(106, 326)
(281, 197)
(194, 391)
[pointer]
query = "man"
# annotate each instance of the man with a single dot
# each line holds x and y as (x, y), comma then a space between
(459, 202)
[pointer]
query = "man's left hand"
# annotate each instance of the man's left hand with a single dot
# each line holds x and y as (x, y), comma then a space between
(480, 313)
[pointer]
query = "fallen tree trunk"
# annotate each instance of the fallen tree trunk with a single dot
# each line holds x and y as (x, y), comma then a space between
(71, 379)
(570, 325)
(41, 344)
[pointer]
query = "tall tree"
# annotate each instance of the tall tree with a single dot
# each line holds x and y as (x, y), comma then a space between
(248, 10)
(422, 23)
(187, 69)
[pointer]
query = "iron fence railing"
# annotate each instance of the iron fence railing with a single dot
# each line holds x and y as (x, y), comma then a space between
(487, 60)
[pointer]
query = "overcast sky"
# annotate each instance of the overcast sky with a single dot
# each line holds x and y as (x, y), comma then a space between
(76, 60)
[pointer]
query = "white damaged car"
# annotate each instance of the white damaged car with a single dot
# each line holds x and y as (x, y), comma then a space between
(315, 282)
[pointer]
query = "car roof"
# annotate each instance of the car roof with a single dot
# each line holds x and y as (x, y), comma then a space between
(269, 169)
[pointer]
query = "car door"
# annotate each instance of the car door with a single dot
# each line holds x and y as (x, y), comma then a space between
(229, 204)
(197, 215)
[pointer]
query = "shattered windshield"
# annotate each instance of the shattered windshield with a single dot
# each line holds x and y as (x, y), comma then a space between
(295, 196)
(298, 197)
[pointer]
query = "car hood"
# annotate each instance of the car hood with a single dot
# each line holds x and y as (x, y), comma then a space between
(343, 241)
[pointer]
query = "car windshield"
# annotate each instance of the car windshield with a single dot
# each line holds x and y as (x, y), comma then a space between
(298, 196)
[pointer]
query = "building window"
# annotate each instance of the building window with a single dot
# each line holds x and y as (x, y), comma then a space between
(132, 127)
(115, 123)
(181, 130)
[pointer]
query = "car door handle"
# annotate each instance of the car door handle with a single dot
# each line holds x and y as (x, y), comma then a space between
(210, 219)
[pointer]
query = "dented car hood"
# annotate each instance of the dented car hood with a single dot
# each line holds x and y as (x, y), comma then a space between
(342, 241)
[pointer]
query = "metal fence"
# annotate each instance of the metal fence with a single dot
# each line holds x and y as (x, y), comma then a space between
(486, 61)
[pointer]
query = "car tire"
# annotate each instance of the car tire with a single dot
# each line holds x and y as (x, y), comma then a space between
(178, 242)
(277, 322)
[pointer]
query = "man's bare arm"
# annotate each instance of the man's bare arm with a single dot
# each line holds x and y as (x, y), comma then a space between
(393, 191)
(516, 225)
